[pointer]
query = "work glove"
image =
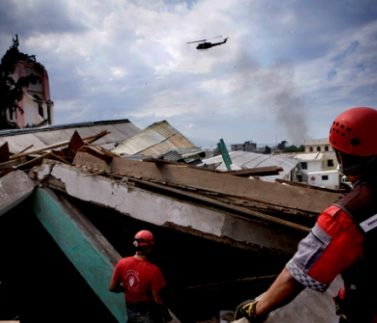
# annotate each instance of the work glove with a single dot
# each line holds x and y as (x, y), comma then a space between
(247, 309)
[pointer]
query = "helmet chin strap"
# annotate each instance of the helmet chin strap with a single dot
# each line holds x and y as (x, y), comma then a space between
(350, 165)
(142, 250)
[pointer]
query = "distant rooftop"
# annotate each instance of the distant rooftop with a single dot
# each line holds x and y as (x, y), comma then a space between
(244, 159)
(321, 141)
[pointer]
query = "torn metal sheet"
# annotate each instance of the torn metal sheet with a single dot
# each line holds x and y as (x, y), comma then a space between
(157, 140)
(202, 220)
(14, 188)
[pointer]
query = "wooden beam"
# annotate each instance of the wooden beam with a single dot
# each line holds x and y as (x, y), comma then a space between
(257, 171)
(87, 249)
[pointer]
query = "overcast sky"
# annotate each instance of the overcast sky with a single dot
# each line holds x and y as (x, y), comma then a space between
(288, 68)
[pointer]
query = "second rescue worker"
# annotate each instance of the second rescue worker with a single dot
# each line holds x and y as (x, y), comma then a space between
(142, 283)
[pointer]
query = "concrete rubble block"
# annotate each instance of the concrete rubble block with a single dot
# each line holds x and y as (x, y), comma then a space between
(15, 187)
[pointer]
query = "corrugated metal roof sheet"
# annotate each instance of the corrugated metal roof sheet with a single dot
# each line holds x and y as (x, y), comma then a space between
(245, 159)
(157, 140)
(19, 139)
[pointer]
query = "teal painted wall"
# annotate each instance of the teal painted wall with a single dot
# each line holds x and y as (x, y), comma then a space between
(95, 267)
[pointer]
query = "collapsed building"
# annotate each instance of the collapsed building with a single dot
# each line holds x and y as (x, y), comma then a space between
(73, 196)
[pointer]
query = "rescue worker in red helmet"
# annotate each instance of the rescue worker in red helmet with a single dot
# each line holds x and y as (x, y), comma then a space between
(142, 282)
(344, 238)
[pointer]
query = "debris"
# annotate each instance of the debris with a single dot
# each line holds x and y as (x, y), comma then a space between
(14, 188)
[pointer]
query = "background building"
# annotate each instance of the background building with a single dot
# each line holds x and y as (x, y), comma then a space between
(318, 145)
(318, 165)
(246, 146)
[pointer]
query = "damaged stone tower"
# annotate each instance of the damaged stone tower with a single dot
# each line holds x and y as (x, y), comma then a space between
(24, 91)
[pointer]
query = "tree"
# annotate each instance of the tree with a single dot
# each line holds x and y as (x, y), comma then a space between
(267, 150)
(282, 144)
(294, 149)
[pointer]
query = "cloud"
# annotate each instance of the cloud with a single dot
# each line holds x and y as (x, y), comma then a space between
(286, 70)
(31, 17)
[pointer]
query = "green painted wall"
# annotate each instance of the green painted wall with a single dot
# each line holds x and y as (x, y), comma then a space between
(95, 267)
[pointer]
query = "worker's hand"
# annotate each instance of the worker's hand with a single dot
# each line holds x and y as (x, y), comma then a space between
(247, 309)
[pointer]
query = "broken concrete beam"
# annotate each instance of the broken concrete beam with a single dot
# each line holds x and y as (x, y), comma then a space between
(205, 221)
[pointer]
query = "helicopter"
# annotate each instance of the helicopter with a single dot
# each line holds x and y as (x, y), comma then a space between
(205, 44)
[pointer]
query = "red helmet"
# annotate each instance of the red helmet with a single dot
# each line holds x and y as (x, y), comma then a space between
(354, 132)
(143, 239)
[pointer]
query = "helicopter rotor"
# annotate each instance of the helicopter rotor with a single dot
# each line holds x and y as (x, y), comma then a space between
(204, 40)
